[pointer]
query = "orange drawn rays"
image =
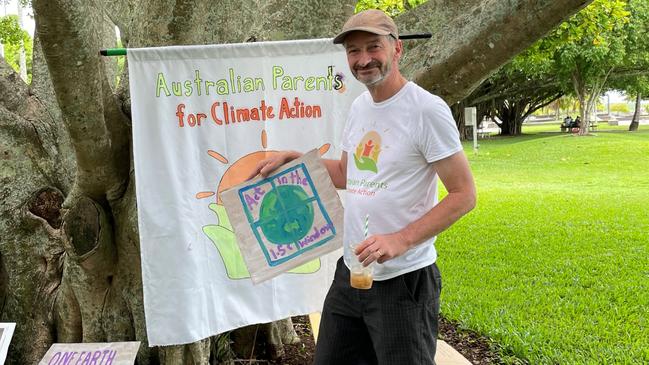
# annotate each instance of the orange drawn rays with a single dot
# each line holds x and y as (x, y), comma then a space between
(220, 158)
(204, 194)
(217, 156)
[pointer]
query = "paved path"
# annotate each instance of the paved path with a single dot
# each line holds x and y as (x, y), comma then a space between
(446, 355)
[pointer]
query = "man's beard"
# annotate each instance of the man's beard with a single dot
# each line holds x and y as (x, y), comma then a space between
(384, 70)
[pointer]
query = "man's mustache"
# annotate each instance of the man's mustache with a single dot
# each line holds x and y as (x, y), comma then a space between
(372, 64)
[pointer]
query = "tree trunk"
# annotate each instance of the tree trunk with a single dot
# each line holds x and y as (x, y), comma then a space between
(587, 95)
(69, 251)
(458, 114)
(587, 111)
(583, 114)
(586, 120)
(507, 116)
(511, 115)
(635, 121)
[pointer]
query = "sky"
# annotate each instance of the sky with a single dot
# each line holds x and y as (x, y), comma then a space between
(615, 97)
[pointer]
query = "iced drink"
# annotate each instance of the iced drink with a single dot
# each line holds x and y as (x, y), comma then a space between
(360, 277)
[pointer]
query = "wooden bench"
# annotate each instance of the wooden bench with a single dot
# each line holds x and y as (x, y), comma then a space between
(483, 133)
(592, 128)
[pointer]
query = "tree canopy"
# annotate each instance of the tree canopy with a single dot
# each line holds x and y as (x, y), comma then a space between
(10, 30)
(391, 7)
(13, 38)
(604, 46)
(633, 78)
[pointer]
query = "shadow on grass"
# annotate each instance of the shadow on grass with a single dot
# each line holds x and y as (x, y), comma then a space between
(510, 140)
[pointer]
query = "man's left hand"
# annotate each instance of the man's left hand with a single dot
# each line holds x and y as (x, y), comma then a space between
(381, 248)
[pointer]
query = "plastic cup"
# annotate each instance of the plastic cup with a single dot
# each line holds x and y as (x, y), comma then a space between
(360, 277)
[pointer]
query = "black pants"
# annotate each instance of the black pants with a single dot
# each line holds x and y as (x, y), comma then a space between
(393, 323)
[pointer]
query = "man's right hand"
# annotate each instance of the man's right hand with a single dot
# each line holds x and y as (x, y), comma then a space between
(268, 165)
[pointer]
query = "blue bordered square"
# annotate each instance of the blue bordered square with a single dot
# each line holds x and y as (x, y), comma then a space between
(292, 209)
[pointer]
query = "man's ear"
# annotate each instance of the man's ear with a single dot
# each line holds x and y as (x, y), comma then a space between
(398, 49)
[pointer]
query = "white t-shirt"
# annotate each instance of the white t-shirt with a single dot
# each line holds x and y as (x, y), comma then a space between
(390, 147)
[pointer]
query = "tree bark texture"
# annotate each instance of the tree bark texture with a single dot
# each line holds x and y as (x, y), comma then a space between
(69, 249)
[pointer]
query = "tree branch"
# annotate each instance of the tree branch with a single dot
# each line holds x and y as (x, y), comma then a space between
(504, 92)
(78, 79)
(119, 12)
(13, 90)
(541, 102)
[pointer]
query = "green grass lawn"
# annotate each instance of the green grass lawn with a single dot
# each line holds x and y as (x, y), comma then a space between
(553, 264)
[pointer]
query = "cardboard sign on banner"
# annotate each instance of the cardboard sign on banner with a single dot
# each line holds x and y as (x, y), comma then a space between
(287, 219)
(101, 353)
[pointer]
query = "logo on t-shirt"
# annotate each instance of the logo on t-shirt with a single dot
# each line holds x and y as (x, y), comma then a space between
(367, 153)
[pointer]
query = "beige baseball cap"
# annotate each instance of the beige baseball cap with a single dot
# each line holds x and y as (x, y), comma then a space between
(371, 21)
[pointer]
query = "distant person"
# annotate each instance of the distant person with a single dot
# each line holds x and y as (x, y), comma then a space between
(577, 123)
(567, 122)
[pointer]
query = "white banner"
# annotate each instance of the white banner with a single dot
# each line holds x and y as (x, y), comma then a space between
(203, 116)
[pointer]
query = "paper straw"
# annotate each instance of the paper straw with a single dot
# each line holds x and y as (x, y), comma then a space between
(367, 223)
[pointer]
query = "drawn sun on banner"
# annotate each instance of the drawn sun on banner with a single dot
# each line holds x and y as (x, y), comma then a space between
(222, 234)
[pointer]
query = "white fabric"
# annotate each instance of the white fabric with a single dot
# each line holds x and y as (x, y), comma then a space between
(189, 291)
(407, 132)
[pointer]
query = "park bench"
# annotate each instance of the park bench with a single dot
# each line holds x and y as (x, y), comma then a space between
(482, 133)
(592, 128)
(569, 129)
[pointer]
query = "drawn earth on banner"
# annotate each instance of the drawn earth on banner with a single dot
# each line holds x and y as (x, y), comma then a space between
(222, 234)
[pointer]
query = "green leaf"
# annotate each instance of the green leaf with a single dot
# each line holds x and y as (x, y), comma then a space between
(365, 163)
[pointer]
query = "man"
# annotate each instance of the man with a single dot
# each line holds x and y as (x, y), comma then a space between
(402, 139)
